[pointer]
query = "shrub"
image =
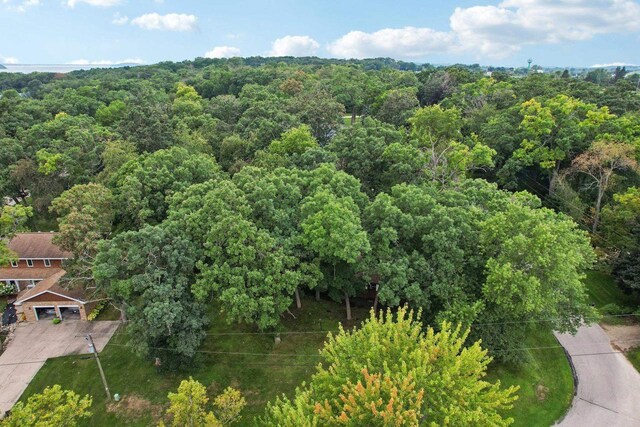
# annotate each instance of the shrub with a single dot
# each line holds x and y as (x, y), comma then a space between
(94, 313)
(56, 320)
(613, 310)
(7, 289)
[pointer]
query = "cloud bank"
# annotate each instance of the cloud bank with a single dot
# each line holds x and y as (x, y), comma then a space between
(222, 52)
(498, 31)
(171, 22)
(294, 46)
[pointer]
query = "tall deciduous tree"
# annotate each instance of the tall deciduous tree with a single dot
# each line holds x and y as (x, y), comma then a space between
(148, 274)
(332, 229)
(390, 372)
(85, 216)
(600, 163)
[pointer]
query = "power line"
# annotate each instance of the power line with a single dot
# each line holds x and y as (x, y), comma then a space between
(538, 320)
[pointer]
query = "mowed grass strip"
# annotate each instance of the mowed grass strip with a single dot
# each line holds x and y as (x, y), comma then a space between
(545, 380)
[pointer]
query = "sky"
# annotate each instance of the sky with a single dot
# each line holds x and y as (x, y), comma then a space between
(578, 33)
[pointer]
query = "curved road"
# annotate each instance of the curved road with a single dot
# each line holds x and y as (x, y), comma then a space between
(608, 391)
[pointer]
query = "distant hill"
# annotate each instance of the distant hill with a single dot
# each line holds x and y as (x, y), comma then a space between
(2, 67)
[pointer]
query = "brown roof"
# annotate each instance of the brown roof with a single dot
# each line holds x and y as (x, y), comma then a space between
(50, 284)
(11, 273)
(36, 245)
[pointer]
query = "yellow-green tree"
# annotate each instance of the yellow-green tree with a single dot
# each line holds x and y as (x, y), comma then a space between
(53, 407)
(189, 406)
(390, 372)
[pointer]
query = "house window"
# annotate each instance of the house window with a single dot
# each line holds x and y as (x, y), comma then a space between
(47, 263)
(29, 263)
(14, 263)
(14, 284)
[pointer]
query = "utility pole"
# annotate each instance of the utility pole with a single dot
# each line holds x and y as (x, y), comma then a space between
(92, 349)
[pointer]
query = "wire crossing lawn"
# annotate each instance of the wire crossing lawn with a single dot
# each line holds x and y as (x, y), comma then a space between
(602, 290)
(261, 378)
(546, 382)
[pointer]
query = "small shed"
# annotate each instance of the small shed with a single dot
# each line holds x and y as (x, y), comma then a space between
(48, 300)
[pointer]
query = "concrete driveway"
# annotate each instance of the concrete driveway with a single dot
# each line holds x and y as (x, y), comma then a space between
(35, 342)
(608, 393)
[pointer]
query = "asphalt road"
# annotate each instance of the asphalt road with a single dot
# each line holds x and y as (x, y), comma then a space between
(608, 393)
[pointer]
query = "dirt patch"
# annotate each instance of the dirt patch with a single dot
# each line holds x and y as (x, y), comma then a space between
(542, 392)
(134, 406)
(623, 337)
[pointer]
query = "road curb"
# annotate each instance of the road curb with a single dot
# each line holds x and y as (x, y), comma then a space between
(574, 374)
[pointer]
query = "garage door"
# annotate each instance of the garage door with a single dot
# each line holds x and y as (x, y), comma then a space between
(69, 312)
(45, 312)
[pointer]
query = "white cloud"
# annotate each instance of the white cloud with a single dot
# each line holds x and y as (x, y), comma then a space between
(20, 6)
(501, 30)
(99, 3)
(120, 19)
(8, 60)
(106, 62)
(222, 52)
(294, 46)
(169, 22)
(498, 30)
(407, 42)
(613, 64)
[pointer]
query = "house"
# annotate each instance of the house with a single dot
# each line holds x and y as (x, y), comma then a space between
(38, 259)
(48, 299)
(36, 277)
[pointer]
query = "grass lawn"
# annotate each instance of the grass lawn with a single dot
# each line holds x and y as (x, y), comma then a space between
(603, 290)
(546, 382)
(634, 357)
(259, 377)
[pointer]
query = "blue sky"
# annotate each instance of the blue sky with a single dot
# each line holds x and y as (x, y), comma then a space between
(506, 32)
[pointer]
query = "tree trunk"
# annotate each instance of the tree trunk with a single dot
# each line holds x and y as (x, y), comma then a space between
(353, 116)
(596, 215)
(554, 179)
(348, 304)
(298, 302)
(317, 294)
(375, 303)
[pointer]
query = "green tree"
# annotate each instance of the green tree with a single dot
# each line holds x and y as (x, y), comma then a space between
(555, 131)
(437, 133)
(85, 216)
(536, 260)
(331, 228)
(390, 372)
(620, 235)
(397, 106)
(12, 220)
(53, 407)
(143, 187)
(153, 290)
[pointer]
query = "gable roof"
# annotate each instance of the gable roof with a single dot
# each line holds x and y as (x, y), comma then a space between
(11, 273)
(51, 285)
(36, 245)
